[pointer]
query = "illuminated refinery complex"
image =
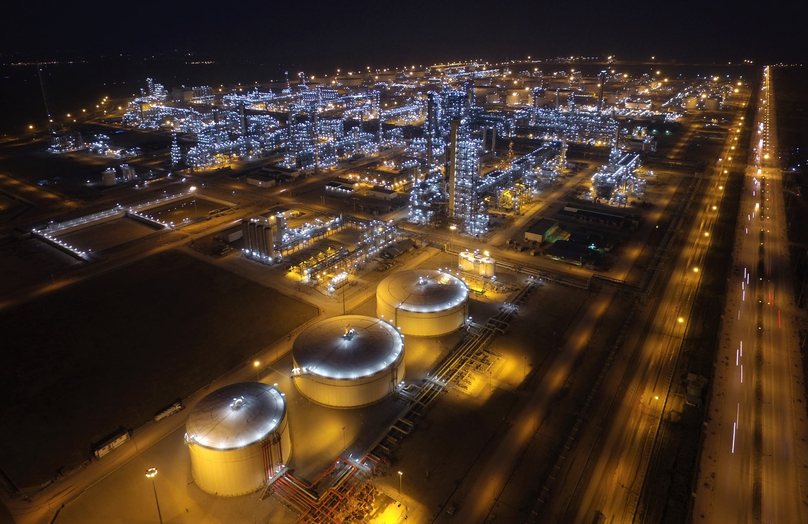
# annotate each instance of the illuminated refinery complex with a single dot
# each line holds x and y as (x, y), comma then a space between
(385, 295)
(452, 127)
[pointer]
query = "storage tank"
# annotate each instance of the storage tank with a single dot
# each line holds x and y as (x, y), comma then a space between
(348, 361)
(127, 173)
(423, 303)
(488, 266)
(238, 437)
(108, 177)
(479, 263)
(465, 261)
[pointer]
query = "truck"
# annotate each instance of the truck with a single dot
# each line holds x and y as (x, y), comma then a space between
(112, 441)
(168, 411)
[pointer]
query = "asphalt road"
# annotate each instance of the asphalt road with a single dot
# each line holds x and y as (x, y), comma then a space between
(759, 445)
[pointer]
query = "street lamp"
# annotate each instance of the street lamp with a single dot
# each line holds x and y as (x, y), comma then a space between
(257, 371)
(451, 239)
(399, 482)
(151, 473)
(196, 212)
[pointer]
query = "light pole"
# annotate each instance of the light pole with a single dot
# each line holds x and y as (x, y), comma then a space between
(257, 371)
(151, 473)
(196, 211)
(400, 474)
(453, 228)
(344, 290)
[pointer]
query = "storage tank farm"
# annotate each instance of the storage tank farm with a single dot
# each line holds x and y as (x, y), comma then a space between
(348, 361)
(238, 438)
(478, 263)
(422, 302)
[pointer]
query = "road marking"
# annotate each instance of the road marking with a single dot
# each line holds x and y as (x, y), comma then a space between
(734, 427)
(741, 373)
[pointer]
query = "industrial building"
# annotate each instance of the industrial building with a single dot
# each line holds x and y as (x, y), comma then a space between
(348, 361)
(423, 303)
(238, 437)
(541, 230)
(456, 166)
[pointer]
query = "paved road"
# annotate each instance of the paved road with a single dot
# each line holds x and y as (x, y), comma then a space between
(757, 450)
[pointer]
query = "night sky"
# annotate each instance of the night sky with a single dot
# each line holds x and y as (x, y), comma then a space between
(383, 33)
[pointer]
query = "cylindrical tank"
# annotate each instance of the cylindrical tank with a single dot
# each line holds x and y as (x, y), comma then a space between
(488, 266)
(238, 437)
(348, 361)
(127, 173)
(108, 177)
(269, 240)
(465, 261)
(423, 303)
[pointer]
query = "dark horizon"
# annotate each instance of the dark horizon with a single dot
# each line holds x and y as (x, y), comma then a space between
(380, 35)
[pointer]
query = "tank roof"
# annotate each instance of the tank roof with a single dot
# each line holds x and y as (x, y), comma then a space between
(423, 291)
(236, 416)
(347, 347)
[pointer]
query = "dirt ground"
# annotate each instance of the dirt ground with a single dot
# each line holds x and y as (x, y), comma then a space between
(111, 351)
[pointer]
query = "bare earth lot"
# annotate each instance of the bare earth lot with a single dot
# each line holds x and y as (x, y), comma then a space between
(111, 351)
(25, 262)
(107, 234)
(183, 210)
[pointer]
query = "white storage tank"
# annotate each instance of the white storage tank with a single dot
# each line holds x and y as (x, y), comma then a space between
(348, 361)
(238, 437)
(108, 177)
(488, 266)
(422, 302)
(465, 261)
